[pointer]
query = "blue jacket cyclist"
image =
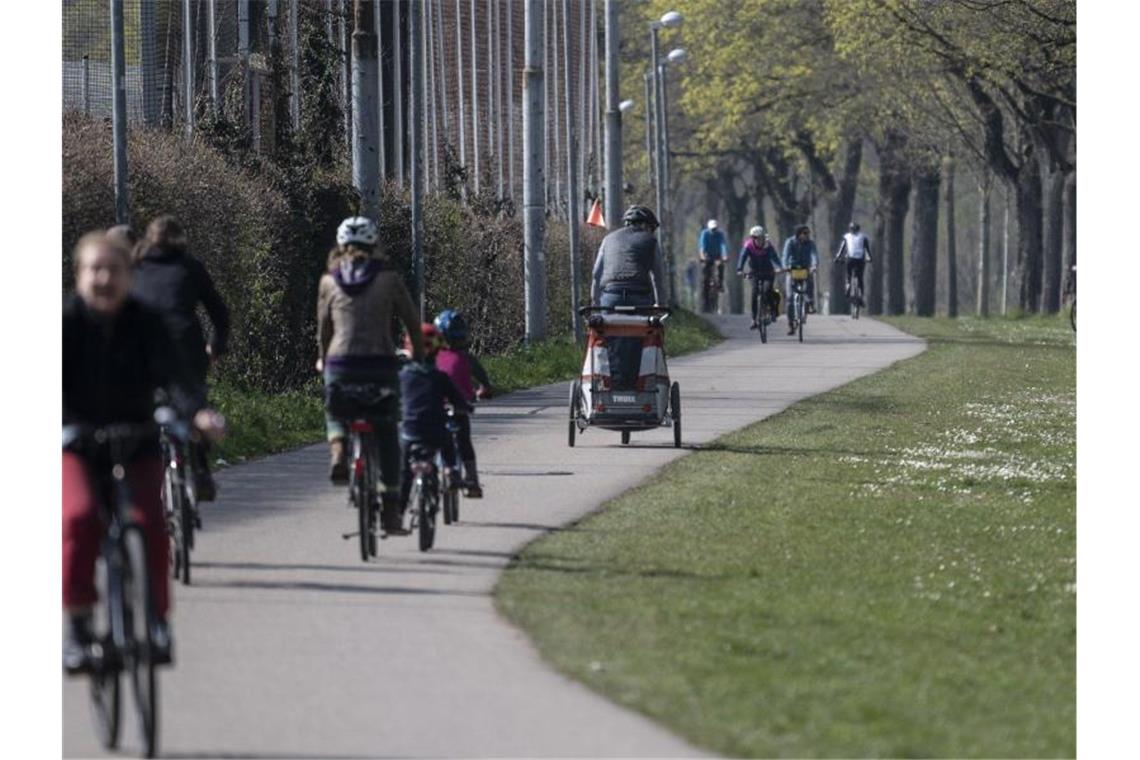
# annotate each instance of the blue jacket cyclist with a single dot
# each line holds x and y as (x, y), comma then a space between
(712, 248)
(800, 253)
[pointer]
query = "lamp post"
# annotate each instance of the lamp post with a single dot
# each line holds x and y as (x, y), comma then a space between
(670, 20)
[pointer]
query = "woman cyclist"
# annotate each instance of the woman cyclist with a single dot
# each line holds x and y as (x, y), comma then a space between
(763, 264)
(172, 282)
(358, 297)
(117, 353)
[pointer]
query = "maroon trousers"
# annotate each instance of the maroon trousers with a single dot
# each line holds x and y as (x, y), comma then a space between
(83, 528)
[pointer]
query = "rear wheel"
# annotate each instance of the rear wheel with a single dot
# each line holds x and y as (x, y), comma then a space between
(1073, 314)
(362, 493)
(450, 500)
(139, 616)
(575, 409)
(624, 437)
(172, 499)
(675, 412)
(762, 325)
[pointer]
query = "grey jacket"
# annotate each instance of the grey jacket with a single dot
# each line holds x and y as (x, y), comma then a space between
(631, 258)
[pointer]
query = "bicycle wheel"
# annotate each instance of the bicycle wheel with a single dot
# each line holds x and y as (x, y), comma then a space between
(624, 437)
(172, 501)
(856, 302)
(1073, 315)
(139, 616)
(762, 325)
(425, 510)
(106, 695)
(361, 490)
(186, 537)
(800, 317)
(575, 408)
(450, 492)
(675, 410)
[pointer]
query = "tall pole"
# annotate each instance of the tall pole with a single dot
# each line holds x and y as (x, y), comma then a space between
(460, 79)
(497, 89)
(666, 210)
(294, 64)
(346, 75)
(86, 85)
(441, 74)
(243, 56)
(432, 123)
(511, 99)
(983, 299)
(613, 117)
(383, 152)
(119, 111)
(658, 170)
(148, 59)
(212, 50)
(650, 118)
(475, 95)
(398, 95)
(188, 64)
(365, 108)
(556, 100)
(415, 135)
(534, 205)
(596, 100)
(575, 216)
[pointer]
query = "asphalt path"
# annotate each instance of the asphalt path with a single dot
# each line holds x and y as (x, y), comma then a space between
(288, 646)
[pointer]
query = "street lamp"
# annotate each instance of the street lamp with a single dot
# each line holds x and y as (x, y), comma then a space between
(676, 57)
(670, 20)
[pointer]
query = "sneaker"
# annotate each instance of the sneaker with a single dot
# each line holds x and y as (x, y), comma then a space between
(204, 486)
(161, 645)
(474, 491)
(338, 462)
(753, 327)
(77, 645)
(392, 519)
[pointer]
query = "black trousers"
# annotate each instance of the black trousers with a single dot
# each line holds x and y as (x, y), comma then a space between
(761, 288)
(855, 267)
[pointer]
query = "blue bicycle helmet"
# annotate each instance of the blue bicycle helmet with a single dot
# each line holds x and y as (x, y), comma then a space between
(453, 326)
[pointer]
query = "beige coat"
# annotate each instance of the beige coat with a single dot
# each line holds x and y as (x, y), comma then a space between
(361, 325)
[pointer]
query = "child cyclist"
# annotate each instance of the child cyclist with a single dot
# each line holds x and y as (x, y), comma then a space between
(471, 379)
(424, 390)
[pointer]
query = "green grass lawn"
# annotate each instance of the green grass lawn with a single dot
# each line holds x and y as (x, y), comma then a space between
(263, 423)
(884, 570)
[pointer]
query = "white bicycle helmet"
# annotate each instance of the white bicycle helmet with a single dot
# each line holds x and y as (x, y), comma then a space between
(756, 231)
(712, 224)
(357, 229)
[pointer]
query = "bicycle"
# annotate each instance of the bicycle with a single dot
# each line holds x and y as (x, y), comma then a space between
(127, 643)
(856, 297)
(179, 496)
(798, 306)
(424, 498)
(363, 475)
(710, 288)
(451, 473)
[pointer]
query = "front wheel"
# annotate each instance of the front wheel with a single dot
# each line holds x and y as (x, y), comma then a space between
(139, 616)
(675, 412)
(425, 513)
(106, 696)
(1073, 315)
(624, 437)
(762, 326)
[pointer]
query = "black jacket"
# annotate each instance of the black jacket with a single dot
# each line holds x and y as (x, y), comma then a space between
(174, 283)
(423, 391)
(112, 369)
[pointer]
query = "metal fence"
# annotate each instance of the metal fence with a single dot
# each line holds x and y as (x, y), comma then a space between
(190, 59)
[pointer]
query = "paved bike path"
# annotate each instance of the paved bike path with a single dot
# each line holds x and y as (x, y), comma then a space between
(287, 645)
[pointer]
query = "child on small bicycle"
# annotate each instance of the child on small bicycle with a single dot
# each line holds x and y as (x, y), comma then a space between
(424, 391)
(471, 379)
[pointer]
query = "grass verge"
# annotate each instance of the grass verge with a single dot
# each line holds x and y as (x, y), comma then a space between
(887, 569)
(262, 423)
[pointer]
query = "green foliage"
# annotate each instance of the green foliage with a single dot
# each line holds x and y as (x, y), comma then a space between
(886, 570)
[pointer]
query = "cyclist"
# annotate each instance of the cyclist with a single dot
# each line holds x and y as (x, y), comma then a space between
(468, 375)
(856, 247)
(763, 263)
(424, 391)
(629, 268)
(357, 298)
(172, 282)
(712, 248)
(117, 353)
(800, 253)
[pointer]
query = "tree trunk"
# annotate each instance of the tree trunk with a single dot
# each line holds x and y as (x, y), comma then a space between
(951, 244)
(1029, 237)
(737, 208)
(1054, 243)
(984, 188)
(924, 246)
(875, 271)
(841, 211)
(1070, 233)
